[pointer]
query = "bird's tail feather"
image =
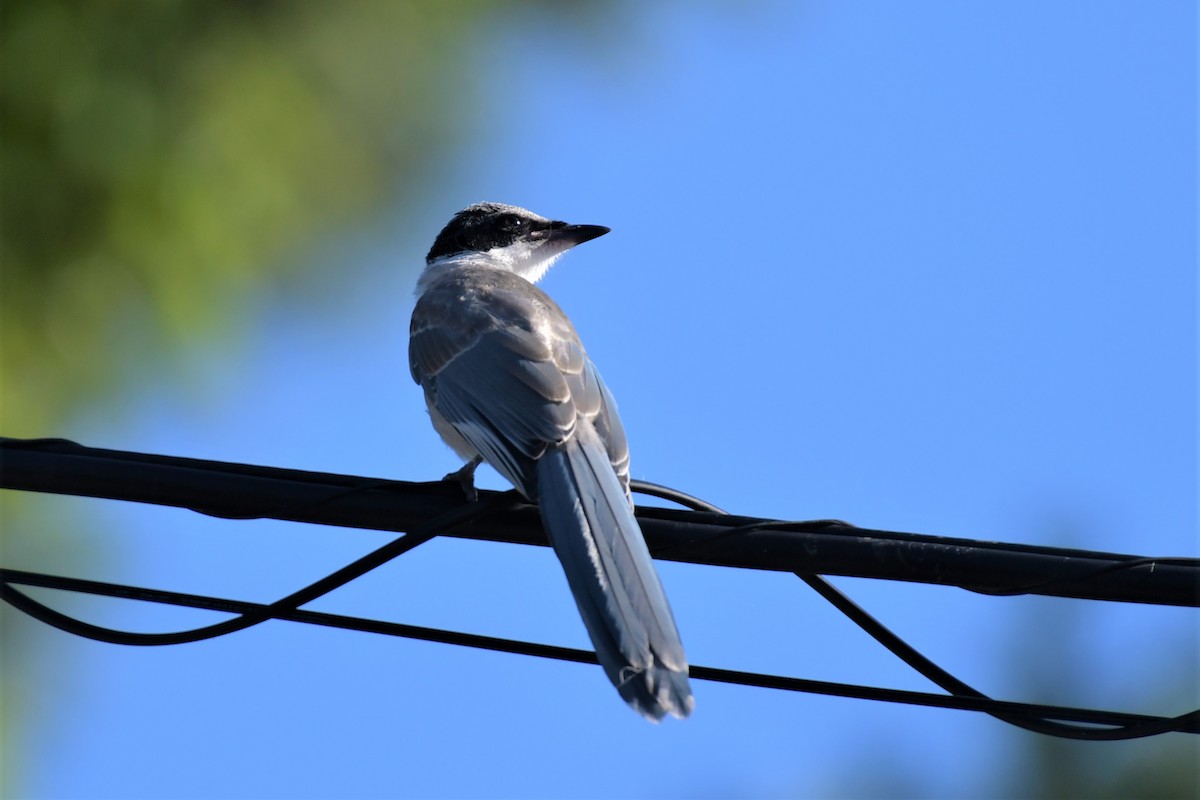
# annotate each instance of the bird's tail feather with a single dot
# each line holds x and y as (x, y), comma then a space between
(591, 525)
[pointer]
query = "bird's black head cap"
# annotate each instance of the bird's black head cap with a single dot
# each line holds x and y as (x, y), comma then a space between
(485, 226)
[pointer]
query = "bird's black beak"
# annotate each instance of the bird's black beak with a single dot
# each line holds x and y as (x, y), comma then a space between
(572, 235)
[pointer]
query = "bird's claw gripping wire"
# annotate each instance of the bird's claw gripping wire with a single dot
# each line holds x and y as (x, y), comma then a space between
(465, 478)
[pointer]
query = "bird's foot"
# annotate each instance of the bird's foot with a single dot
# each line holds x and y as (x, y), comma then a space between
(465, 478)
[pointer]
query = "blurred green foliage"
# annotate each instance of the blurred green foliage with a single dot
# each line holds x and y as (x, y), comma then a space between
(160, 160)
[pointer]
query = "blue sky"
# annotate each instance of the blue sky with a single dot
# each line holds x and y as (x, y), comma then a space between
(925, 266)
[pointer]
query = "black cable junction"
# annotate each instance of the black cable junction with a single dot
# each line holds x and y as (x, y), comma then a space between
(703, 534)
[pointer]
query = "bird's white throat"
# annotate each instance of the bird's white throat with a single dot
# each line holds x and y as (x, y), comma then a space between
(530, 260)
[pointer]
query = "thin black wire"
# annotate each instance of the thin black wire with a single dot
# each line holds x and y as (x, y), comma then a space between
(1187, 723)
(696, 504)
(452, 519)
(917, 660)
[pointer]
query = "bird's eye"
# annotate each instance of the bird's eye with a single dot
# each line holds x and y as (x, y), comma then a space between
(517, 223)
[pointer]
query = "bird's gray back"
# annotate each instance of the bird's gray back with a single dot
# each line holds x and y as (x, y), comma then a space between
(502, 363)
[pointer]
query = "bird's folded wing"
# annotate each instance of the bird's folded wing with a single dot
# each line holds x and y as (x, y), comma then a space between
(502, 363)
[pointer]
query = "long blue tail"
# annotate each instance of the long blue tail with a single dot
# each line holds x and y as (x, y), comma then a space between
(591, 525)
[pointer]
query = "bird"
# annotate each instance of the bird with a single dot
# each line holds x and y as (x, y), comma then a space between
(507, 381)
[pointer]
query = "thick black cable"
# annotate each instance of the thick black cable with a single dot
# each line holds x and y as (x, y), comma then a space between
(245, 491)
(1187, 723)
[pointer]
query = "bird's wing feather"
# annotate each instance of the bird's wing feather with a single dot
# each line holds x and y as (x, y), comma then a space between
(612, 432)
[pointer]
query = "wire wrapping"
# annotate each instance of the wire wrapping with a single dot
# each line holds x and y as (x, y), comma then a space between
(1099, 725)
